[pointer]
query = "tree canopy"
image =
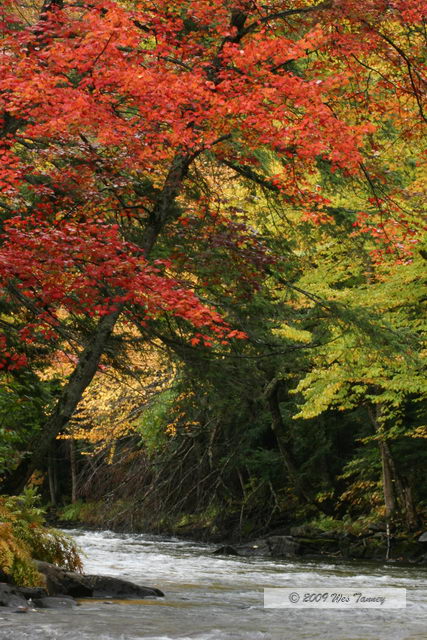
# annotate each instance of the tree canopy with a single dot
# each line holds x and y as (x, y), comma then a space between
(228, 180)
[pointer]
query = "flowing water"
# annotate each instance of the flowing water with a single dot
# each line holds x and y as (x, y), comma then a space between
(220, 598)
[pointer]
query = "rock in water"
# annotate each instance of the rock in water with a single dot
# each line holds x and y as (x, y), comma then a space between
(273, 546)
(31, 593)
(61, 582)
(254, 548)
(283, 546)
(109, 587)
(10, 596)
(226, 550)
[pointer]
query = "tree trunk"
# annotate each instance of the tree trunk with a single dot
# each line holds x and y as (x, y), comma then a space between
(70, 397)
(410, 512)
(279, 430)
(387, 481)
(52, 477)
(87, 366)
(403, 492)
(387, 463)
(397, 492)
(73, 471)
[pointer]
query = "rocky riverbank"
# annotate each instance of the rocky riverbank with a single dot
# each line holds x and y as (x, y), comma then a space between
(306, 542)
(374, 542)
(62, 588)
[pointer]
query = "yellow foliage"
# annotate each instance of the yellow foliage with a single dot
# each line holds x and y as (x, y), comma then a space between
(15, 558)
(419, 432)
(115, 399)
(292, 333)
(23, 538)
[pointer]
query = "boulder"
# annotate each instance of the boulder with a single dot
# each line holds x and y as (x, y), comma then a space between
(32, 592)
(423, 537)
(226, 550)
(254, 548)
(61, 582)
(10, 596)
(283, 546)
(273, 547)
(109, 587)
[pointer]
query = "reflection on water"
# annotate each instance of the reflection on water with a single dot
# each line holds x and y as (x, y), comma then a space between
(220, 598)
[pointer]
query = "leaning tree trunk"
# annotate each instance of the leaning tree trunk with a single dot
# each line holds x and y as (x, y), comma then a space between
(70, 397)
(271, 394)
(88, 362)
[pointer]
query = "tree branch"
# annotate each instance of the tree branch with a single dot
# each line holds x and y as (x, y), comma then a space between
(280, 15)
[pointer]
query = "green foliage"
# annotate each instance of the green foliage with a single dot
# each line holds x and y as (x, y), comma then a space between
(74, 511)
(153, 421)
(24, 401)
(355, 526)
(24, 538)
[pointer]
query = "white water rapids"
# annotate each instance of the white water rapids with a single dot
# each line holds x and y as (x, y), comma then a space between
(220, 598)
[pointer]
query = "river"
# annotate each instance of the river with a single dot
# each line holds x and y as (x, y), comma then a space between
(221, 598)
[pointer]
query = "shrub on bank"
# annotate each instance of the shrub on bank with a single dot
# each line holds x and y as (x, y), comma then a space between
(24, 538)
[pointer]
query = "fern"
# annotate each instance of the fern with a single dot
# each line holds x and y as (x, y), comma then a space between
(24, 538)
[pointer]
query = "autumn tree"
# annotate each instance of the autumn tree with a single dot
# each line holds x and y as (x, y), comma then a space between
(114, 114)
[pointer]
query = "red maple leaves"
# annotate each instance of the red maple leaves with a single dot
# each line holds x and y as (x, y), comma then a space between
(88, 269)
(98, 101)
